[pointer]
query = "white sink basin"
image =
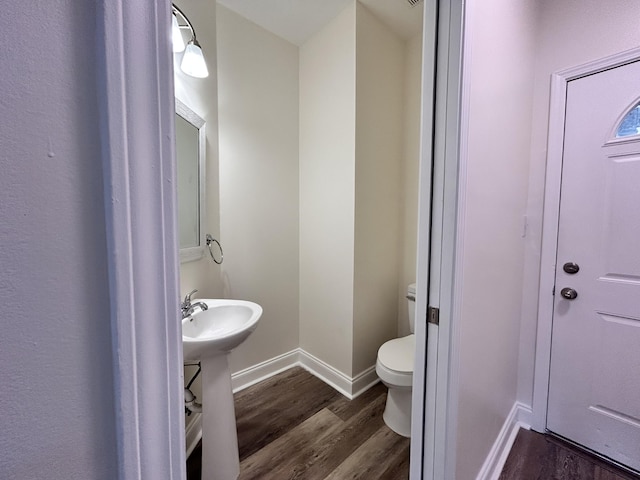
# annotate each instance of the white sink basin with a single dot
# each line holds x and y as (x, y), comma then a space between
(219, 329)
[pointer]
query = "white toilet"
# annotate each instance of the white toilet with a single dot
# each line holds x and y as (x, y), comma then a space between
(395, 368)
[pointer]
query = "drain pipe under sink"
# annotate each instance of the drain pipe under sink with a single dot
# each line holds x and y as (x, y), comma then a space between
(190, 402)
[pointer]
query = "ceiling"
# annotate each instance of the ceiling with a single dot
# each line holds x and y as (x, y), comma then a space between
(297, 20)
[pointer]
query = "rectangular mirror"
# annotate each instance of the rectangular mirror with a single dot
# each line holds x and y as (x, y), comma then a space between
(191, 157)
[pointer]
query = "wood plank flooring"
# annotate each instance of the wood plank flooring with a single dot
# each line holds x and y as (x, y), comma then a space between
(542, 457)
(294, 426)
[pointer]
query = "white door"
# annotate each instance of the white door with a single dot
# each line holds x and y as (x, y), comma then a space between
(594, 389)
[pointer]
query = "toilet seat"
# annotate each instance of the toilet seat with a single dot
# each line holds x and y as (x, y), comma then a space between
(395, 361)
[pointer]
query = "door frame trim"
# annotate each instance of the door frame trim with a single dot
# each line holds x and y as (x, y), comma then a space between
(422, 410)
(136, 93)
(440, 396)
(550, 219)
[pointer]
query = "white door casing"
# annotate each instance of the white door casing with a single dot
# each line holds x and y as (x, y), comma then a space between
(135, 86)
(559, 84)
(423, 411)
(440, 422)
(594, 390)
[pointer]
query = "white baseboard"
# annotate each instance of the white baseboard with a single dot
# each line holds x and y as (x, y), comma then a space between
(525, 415)
(364, 381)
(350, 387)
(518, 418)
(261, 371)
(193, 431)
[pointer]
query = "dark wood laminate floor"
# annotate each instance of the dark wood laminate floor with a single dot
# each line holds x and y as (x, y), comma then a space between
(542, 457)
(294, 426)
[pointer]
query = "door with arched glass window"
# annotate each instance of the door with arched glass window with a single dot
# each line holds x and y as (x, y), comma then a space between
(594, 388)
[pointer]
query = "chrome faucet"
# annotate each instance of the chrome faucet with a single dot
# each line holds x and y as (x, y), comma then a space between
(187, 308)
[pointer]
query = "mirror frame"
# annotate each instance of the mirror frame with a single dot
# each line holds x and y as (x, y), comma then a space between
(190, 254)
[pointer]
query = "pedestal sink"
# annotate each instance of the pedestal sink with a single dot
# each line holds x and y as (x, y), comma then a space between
(208, 336)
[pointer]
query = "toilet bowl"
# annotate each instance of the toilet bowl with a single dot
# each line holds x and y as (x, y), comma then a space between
(394, 367)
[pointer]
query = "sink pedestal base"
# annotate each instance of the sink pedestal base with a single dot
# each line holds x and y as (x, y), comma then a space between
(220, 460)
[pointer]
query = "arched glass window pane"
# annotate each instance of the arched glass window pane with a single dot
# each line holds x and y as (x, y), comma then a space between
(630, 124)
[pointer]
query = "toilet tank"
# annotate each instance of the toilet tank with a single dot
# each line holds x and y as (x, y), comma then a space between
(411, 305)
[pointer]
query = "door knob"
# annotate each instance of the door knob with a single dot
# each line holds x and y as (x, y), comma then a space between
(571, 268)
(568, 293)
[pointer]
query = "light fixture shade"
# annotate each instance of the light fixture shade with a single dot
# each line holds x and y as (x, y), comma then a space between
(193, 63)
(178, 42)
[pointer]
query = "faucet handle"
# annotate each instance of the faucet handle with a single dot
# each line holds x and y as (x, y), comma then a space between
(187, 298)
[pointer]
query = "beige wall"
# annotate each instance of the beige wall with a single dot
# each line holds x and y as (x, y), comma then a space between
(498, 76)
(318, 245)
(201, 95)
(258, 128)
(571, 32)
(352, 155)
(380, 69)
(409, 179)
(327, 177)
(252, 184)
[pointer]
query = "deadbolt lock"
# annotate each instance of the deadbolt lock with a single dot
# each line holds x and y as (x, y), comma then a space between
(571, 268)
(568, 293)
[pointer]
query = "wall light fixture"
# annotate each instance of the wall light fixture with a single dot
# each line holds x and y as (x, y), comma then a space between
(193, 63)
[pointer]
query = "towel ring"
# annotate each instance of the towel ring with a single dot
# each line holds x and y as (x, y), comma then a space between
(211, 240)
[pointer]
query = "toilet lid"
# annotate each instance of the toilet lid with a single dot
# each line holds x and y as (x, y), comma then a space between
(398, 354)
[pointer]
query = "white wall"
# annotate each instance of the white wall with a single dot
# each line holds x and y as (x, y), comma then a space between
(380, 67)
(327, 203)
(258, 121)
(409, 179)
(505, 96)
(570, 33)
(498, 68)
(57, 392)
